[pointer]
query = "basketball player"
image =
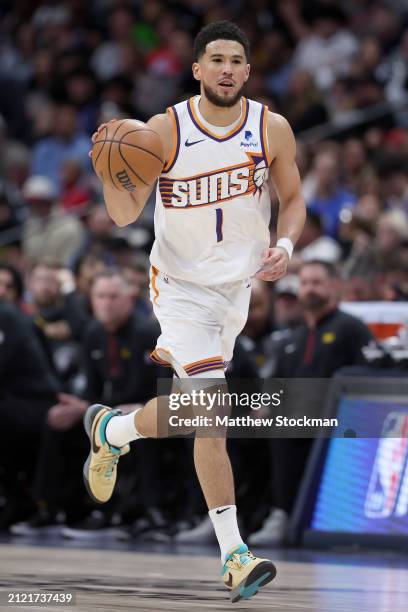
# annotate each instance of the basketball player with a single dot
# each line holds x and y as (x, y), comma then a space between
(223, 153)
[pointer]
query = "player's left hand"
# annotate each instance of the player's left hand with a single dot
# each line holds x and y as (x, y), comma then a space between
(274, 264)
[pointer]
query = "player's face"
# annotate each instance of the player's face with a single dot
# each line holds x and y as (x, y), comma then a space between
(222, 71)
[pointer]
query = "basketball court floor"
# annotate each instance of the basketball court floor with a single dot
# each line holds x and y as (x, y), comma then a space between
(163, 577)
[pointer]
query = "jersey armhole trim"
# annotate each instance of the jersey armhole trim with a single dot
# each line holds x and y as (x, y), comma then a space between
(176, 139)
(264, 135)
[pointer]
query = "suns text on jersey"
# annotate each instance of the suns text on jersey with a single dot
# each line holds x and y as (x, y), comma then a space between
(212, 187)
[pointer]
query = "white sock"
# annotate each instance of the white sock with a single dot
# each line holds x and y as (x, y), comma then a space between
(224, 520)
(122, 429)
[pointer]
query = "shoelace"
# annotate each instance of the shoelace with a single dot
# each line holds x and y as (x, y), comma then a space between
(238, 562)
(110, 460)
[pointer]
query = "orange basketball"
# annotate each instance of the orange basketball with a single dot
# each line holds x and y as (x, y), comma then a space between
(129, 154)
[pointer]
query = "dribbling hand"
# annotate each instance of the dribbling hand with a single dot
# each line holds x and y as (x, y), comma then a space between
(96, 134)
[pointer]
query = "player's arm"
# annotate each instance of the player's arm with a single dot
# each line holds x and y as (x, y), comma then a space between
(285, 180)
(125, 207)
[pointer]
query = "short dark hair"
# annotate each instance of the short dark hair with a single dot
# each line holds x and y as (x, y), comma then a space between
(111, 272)
(219, 30)
(330, 268)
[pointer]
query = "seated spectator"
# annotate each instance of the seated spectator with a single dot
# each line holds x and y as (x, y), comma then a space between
(48, 232)
(11, 284)
(106, 59)
(331, 197)
(65, 142)
(355, 163)
(85, 270)
(259, 322)
(328, 48)
(393, 175)
(303, 103)
(325, 341)
(136, 273)
(27, 390)
(75, 194)
(119, 373)
(392, 233)
(58, 319)
(10, 225)
(313, 244)
(50, 308)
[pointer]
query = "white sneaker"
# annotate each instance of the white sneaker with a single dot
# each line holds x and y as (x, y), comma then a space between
(273, 531)
(203, 533)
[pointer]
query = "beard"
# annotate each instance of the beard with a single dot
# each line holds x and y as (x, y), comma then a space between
(217, 100)
(314, 301)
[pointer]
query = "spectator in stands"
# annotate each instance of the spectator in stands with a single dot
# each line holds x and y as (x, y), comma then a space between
(10, 226)
(75, 193)
(81, 88)
(360, 287)
(11, 284)
(354, 162)
(327, 340)
(136, 273)
(303, 103)
(331, 196)
(259, 320)
(65, 142)
(393, 174)
(313, 244)
(119, 373)
(392, 232)
(58, 317)
(106, 59)
(287, 313)
(274, 58)
(27, 390)
(268, 319)
(48, 232)
(328, 49)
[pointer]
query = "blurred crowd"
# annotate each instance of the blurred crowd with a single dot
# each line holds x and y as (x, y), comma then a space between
(76, 324)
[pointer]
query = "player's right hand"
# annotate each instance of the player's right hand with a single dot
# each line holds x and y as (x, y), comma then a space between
(95, 135)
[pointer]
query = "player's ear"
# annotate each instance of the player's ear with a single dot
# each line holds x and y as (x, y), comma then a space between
(196, 71)
(247, 71)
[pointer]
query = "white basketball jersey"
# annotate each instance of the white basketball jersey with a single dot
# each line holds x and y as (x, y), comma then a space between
(212, 201)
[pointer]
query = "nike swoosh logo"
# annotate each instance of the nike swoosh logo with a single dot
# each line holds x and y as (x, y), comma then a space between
(95, 447)
(190, 144)
(228, 583)
(221, 511)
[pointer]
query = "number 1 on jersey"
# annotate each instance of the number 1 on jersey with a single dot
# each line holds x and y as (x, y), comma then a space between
(218, 228)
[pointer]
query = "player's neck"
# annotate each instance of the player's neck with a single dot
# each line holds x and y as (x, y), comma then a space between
(219, 115)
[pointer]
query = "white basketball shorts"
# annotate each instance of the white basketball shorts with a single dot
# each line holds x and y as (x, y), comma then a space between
(199, 323)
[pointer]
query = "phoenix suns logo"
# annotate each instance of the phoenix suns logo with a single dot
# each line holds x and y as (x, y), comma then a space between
(218, 186)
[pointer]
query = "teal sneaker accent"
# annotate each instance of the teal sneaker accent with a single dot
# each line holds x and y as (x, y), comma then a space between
(103, 425)
(238, 550)
(249, 591)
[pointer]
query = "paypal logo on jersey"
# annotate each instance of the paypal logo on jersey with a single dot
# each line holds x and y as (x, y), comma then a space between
(248, 141)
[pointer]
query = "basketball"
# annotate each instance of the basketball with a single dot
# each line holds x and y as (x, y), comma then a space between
(129, 154)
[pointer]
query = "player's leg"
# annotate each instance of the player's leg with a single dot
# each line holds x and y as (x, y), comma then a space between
(110, 433)
(243, 574)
